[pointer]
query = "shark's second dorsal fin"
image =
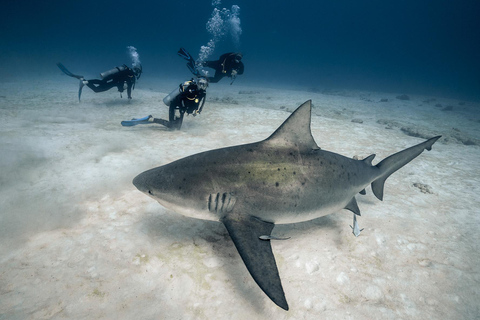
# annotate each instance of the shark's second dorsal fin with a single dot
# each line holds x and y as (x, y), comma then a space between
(295, 131)
(368, 160)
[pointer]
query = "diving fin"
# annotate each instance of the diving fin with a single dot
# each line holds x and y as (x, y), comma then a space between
(68, 73)
(134, 121)
(80, 87)
(193, 68)
(184, 54)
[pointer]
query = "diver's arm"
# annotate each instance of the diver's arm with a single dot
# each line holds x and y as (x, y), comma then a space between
(204, 98)
(130, 84)
(240, 68)
(129, 89)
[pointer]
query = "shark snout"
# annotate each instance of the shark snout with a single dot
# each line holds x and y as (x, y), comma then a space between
(140, 182)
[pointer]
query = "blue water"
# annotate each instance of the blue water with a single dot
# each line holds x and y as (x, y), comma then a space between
(428, 47)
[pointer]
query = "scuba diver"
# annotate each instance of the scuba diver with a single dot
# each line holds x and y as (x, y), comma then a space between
(121, 77)
(189, 98)
(229, 64)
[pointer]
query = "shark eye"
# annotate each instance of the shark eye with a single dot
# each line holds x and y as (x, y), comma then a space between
(150, 192)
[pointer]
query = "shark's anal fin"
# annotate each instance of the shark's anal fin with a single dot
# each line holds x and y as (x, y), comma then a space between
(353, 206)
(257, 254)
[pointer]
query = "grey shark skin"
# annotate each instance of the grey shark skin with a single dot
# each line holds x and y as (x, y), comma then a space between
(285, 178)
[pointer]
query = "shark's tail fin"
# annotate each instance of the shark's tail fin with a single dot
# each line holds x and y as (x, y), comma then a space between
(394, 162)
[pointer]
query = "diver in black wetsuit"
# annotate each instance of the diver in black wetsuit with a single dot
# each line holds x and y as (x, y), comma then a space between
(229, 64)
(121, 77)
(189, 98)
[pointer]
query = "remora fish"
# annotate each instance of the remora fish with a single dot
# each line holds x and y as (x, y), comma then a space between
(285, 178)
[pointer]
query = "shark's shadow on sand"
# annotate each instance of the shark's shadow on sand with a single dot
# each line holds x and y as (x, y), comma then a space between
(283, 179)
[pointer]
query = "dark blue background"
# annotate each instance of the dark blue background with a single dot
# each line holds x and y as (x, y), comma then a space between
(430, 47)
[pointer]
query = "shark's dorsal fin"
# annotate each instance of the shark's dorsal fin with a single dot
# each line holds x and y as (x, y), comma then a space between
(257, 254)
(295, 131)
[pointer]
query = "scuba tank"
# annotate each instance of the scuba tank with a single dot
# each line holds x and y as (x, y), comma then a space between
(113, 71)
(168, 99)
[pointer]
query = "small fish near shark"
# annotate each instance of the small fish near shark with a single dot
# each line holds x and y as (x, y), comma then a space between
(285, 178)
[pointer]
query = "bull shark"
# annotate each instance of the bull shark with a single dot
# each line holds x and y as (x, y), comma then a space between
(283, 179)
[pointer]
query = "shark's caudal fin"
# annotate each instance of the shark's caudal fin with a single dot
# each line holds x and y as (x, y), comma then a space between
(394, 162)
(295, 131)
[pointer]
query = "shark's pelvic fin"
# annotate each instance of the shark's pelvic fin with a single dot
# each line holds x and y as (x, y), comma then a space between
(257, 254)
(394, 162)
(353, 206)
(295, 131)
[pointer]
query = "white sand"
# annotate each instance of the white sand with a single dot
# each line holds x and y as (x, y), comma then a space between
(79, 241)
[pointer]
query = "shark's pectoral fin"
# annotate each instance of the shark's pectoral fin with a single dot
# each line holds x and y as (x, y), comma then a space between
(353, 206)
(257, 254)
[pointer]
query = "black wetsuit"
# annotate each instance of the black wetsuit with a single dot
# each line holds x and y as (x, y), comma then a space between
(224, 66)
(124, 75)
(190, 100)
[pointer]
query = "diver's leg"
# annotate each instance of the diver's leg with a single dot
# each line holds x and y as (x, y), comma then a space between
(163, 122)
(218, 76)
(175, 115)
(99, 85)
(210, 64)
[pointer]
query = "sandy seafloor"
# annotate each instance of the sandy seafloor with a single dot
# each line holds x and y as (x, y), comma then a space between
(79, 241)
